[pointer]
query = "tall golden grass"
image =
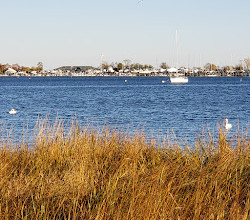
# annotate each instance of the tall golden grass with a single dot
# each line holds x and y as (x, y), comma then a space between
(90, 174)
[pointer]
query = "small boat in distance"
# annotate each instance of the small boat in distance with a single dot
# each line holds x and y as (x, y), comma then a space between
(176, 77)
(12, 111)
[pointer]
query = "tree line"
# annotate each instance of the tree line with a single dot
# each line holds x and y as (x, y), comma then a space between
(126, 64)
(18, 68)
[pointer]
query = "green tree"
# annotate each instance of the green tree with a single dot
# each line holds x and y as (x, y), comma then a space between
(226, 68)
(39, 66)
(2, 68)
(132, 66)
(33, 68)
(16, 67)
(105, 65)
(127, 63)
(247, 62)
(136, 66)
(239, 67)
(164, 65)
(210, 66)
(119, 66)
(25, 69)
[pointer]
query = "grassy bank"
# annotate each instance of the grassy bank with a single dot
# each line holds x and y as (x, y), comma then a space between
(87, 174)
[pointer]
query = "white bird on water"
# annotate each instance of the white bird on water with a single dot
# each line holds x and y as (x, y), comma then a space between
(227, 126)
(12, 111)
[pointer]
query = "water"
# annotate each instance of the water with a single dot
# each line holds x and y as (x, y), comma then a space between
(140, 103)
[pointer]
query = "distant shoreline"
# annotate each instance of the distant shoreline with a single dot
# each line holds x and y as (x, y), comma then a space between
(123, 75)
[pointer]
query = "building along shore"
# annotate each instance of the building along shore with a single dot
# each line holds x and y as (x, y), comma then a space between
(88, 71)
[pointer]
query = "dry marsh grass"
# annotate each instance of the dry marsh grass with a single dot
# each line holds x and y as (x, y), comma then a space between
(89, 174)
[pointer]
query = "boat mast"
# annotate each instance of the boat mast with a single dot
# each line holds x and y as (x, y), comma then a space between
(176, 47)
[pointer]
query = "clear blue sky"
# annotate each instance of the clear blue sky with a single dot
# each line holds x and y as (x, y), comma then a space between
(76, 32)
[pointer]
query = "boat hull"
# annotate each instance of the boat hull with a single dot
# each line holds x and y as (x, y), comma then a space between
(178, 79)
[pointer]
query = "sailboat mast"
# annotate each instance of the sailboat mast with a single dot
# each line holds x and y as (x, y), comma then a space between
(176, 45)
(177, 78)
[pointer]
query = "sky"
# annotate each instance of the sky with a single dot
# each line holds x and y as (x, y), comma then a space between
(78, 32)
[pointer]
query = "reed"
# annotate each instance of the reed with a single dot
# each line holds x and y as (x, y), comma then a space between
(88, 174)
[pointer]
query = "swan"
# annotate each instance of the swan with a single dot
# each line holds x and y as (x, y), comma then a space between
(12, 111)
(227, 126)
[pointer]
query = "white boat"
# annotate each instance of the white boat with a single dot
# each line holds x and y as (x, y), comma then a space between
(12, 111)
(175, 75)
(178, 79)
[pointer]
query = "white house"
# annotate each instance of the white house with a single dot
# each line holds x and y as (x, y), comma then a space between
(10, 71)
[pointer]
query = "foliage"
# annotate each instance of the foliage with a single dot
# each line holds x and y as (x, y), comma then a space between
(127, 63)
(239, 67)
(210, 66)
(150, 67)
(17, 67)
(3, 68)
(105, 65)
(89, 174)
(247, 62)
(119, 66)
(39, 66)
(226, 68)
(164, 66)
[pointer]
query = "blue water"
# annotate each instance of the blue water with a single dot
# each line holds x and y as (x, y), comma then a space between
(140, 103)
